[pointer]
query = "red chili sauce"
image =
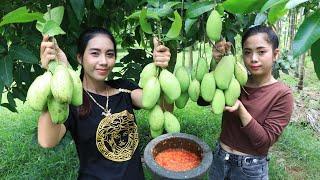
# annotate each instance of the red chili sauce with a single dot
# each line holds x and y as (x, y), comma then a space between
(175, 159)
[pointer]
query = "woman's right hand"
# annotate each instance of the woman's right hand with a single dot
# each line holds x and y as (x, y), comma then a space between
(220, 49)
(51, 51)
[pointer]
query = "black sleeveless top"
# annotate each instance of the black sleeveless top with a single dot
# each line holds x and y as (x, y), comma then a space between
(107, 146)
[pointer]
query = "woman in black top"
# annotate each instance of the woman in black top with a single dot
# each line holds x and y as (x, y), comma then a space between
(103, 127)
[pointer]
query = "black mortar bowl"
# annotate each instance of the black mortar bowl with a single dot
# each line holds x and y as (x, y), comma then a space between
(184, 141)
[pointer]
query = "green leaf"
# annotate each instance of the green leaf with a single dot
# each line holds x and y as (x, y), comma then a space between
(271, 3)
(10, 107)
(17, 93)
(78, 8)
(243, 6)
(198, 8)
(21, 15)
(260, 18)
(98, 3)
(276, 12)
(23, 54)
(188, 24)
(315, 56)
(56, 15)
(176, 26)
(10, 99)
(307, 34)
(144, 24)
(150, 15)
(51, 28)
(166, 9)
(6, 66)
(293, 3)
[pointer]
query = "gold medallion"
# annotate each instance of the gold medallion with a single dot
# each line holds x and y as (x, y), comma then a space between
(117, 136)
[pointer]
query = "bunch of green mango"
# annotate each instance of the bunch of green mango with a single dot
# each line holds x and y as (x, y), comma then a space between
(54, 90)
(156, 86)
(229, 76)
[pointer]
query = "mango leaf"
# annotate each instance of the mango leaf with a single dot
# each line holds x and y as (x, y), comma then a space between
(10, 107)
(198, 8)
(166, 9)
(10, 99)
(260, 18)
(144, 24)
(21, 15)
(271, 3)
(23, 54)
(6, 66)
(98, 3)
(56, 15)
(17, 93)
(150, 15)
(307, 34)
(315, 56)
(51, 28)
(293, 3)
(243, 6)
(188, 24)
(78, 8)
(176, 26)
(276, 12)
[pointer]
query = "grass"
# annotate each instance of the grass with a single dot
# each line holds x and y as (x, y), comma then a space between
(295, 156)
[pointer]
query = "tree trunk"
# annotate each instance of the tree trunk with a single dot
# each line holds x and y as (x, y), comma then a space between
(299, 19)
(301, 71)
(292, 27)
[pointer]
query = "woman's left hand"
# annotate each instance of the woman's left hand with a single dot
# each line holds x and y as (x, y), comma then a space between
(235, 107)
(161, 54)
(242, 112)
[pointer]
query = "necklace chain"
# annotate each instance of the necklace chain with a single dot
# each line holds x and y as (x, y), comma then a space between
(106, 111)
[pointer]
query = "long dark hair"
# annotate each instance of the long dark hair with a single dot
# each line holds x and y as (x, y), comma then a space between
(84, 38)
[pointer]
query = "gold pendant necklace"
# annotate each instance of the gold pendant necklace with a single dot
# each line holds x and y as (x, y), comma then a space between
(106, 112)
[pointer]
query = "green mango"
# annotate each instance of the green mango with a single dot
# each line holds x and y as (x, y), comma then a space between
(241, 74)
(150, 70)
(218, 102)
(233, 92)
(156, 118)
(150, 93)
(182, 100)
(156, 133)
(39, 91)
(52, 65)
(77, 93)
(214, 26)
(171, 123)
(61, 84)
(167, 99)
(169, 84)
(194, 90)
(183, 77)
(202, 68)
(208, 87)
(58, 111)
(213, 64)
(224, 72)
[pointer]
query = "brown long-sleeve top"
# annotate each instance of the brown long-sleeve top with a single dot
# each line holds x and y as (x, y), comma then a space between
(270, 107)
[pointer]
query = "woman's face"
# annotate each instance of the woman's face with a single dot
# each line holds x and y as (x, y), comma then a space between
(258, 55)
(98, 58)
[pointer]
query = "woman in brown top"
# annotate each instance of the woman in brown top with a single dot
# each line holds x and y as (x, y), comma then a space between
(254, 123)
